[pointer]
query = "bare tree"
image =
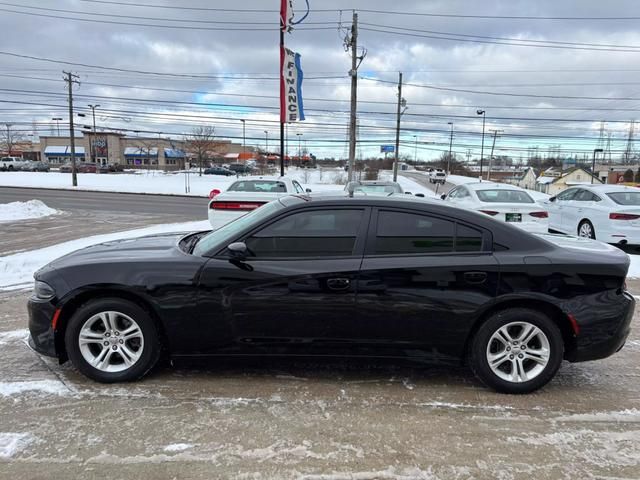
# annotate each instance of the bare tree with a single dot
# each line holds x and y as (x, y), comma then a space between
(200, 143)
(9, 138)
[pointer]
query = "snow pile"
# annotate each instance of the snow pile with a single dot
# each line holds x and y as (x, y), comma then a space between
(17, 270)
(48, 387)
(167, 183)
(634, 267)
(631, 415)
(178, 447)
(12, 443)
(13, 336)
(14, 211)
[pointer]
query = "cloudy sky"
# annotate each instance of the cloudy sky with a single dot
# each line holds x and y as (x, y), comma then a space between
(547, 73)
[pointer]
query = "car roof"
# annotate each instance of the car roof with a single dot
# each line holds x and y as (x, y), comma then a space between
(610, 187)
(374, 182)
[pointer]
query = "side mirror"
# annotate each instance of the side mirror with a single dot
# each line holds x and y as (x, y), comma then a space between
(420, 195)
(238, 249)
(552, 199)
(407, 193)
(443, 196)
(308, 190)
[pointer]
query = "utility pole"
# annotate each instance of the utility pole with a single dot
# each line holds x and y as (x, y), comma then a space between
(415, 151)
(495, 134)
(299, 150)
(450, 147)
(266, 142)
(243, 139)
(57, 120)
(401, 103)
(92, 145)
(483, 113)
(70, 78)
(352, 42)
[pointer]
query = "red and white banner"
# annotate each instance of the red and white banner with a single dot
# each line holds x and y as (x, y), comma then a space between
(286, 15)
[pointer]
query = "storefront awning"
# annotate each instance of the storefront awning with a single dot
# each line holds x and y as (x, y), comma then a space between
(62, 150)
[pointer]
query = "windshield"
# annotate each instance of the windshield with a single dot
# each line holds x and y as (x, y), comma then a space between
(504, 196)
(228, 232)
(257, 186)
(625, 198)
(378, 189)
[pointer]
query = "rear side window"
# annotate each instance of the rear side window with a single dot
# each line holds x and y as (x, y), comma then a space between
(503, 196)
(625, 198)
(315, 233)
(407, 233)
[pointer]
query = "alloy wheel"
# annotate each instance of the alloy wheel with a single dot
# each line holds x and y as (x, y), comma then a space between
(111, 341)
(585, 230)
(518, 352)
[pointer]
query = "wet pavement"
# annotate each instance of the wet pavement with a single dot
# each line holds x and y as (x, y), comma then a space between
(313, 420)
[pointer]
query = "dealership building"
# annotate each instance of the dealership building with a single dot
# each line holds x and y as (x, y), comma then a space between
(115, 148)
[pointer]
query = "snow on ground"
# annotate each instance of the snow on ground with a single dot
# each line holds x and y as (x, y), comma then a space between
(15, 211)
(178, 447)
(634, 268)
(50, 387)
(16, 271)
(12, 443)
(159, 182)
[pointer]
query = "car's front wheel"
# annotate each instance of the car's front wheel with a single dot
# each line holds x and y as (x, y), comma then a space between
(517, 350)
(112, 340)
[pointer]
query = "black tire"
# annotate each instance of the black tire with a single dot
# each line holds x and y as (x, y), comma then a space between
(480, 343)
(593, 230)
(150, 351)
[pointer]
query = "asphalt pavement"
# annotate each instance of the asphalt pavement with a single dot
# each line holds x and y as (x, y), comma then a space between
(424, 180)
(191, 208)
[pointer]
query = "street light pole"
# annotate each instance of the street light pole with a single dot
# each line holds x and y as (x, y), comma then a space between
(482, 112)
(92, 146)
(299, 150)
(243, 137)
(593, 163)
(266, 142)
(450, 147)
(57, 120)
(415, 151)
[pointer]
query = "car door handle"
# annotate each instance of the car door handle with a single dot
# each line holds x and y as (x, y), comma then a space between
(475, 277)
(338, 284)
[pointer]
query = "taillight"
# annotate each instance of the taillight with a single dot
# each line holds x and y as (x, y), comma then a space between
(489, 212)
(235, 205)
(213, 193)
(623, 216)
(539, 214)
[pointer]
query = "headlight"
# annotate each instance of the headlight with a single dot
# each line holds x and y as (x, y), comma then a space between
(43, 291)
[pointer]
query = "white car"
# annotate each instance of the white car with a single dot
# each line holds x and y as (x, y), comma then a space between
(610, 213)
(247, 194)
(437, 176)
(507, 203)
(13, 163)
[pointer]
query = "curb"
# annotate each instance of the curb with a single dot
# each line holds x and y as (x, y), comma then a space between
(106, 191)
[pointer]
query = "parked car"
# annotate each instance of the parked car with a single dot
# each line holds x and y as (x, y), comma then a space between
(437, 176)
(110, 168)
(610, 213)
(81, 167)
(503, 202)
(247, 194)
(12, 163)
(361, 276)
(240, 168)
(218, 171)
(33, 166)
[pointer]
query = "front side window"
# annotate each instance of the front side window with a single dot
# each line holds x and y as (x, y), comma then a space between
(314, 233)
(567, 194)
(407, 233)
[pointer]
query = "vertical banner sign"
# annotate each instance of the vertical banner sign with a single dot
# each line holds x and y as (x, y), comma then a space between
(286, 15)
(291, 107)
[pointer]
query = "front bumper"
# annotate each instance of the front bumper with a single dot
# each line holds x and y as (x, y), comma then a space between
(604, 327)
(42, 338)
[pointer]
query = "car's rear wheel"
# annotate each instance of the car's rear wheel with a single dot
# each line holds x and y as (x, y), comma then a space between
(586, 230)
(517, 350)
(112, 340)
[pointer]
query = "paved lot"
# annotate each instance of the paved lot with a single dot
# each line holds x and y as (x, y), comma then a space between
(341, 420)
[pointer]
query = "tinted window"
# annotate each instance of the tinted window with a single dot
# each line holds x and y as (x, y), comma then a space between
(625, 198)
(316, 233)
(298, 187)
(468, 239)
(567, 194)
(586, 196)
(378, 189)
(504, 196)
(257, 186)
(410, 233)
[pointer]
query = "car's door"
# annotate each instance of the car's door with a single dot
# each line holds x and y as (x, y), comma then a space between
(557, 210)
(297, 281)
(422, 281)
(571, 209)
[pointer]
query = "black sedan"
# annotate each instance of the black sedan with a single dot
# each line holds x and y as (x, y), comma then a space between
(218, 171)
(363, 276)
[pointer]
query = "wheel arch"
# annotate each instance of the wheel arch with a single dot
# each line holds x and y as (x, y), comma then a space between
(583, 220)
(552, 311)
(74, 302)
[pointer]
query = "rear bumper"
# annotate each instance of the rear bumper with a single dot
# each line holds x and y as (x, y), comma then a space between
(42, 338)
(604, 330)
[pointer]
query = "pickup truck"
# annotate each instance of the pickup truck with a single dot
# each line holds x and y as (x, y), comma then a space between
(13, 163)
(437, 176)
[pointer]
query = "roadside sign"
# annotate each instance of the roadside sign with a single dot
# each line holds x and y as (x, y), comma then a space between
(387, 148)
